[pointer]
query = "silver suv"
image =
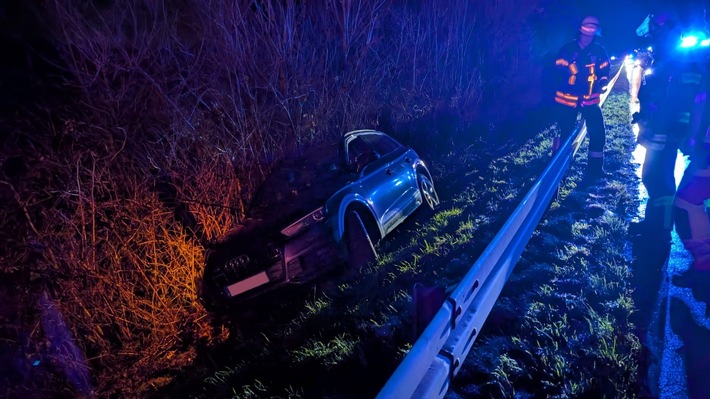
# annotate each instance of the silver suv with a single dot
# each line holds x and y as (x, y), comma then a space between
(319, 211)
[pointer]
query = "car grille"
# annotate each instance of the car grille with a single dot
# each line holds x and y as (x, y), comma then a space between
(235, 268)
(242, 266)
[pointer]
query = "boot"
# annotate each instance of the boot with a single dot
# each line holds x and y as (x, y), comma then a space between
(596, 167)
(595, 171)
(700, 249)
(691, 219)
(657, 224)
(698, 275)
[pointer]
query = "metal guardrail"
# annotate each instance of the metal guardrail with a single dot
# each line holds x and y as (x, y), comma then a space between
(438, 354)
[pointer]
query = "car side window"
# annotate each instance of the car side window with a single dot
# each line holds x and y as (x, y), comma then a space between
(358, 152)
(368, 147)
(380, 143)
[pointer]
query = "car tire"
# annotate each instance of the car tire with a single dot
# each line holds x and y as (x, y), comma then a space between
(430, 198)
(358, 241)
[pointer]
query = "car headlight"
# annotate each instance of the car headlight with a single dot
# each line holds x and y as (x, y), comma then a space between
(311, 219)
(273, 251)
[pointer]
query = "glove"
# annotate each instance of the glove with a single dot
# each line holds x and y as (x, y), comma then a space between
(693, 149)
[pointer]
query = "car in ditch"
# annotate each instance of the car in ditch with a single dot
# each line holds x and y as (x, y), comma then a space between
(318, 212)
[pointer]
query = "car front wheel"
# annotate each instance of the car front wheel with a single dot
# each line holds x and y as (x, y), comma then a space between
(358, 240)
(426, 188)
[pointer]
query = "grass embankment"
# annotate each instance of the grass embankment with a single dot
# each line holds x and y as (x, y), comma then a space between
(561, 327)
(141, 131)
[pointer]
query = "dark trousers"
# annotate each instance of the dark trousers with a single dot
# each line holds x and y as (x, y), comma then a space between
(658, 177)
(658, 172)
(567, 117)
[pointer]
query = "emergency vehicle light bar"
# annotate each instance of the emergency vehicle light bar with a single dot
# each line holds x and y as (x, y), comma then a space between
(694, 39)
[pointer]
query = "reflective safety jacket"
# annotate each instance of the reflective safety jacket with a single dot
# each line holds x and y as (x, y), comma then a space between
(672, 106)
(583, 74)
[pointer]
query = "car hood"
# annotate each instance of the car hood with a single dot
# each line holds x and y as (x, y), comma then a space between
(299, 186)
(291, 194)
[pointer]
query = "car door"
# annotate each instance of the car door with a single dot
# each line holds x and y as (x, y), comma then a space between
(387, 181)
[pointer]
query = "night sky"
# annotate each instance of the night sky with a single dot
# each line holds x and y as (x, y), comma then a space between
(620, 18)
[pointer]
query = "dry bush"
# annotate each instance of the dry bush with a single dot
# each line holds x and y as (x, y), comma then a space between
(123, 272)
(441, 62)
(132, 291)
(172, 116)
(511, 73)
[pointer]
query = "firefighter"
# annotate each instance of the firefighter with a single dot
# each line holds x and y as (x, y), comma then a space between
(689, 206)
(583, 74)
(673, 115)
(664, 98)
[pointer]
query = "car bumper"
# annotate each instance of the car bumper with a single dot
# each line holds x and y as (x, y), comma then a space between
(304, 259)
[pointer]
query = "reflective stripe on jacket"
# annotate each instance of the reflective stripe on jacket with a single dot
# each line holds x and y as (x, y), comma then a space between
(572, 101)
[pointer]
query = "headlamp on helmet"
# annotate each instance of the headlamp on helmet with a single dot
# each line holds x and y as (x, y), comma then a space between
(590, 26)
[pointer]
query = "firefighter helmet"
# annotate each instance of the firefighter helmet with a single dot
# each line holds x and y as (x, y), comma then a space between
(590, 26)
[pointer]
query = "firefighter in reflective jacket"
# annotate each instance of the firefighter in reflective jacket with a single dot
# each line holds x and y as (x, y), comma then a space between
(583, 74)
(673, 115)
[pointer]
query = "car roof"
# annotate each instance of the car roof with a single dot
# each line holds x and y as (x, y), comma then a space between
(359, 131)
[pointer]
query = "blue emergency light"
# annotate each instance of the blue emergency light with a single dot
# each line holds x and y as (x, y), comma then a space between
(694, 39)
